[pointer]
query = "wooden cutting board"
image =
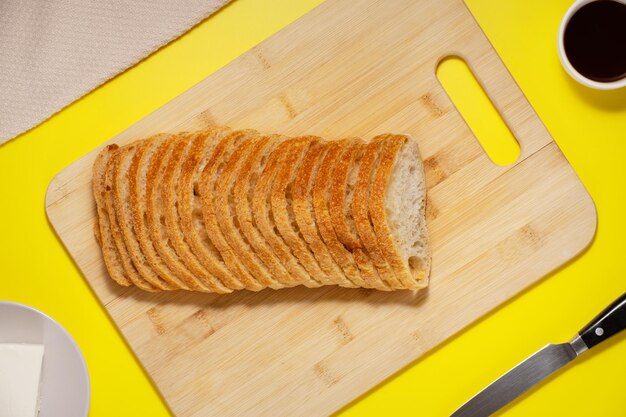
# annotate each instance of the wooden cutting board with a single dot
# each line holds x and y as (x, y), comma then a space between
(347, 68)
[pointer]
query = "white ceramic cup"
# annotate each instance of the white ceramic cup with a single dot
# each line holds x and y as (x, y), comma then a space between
(565, 61)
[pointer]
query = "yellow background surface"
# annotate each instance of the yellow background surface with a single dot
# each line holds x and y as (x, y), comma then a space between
(589, 126)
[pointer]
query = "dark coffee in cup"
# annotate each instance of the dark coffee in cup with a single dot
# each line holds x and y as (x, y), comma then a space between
(594, 41)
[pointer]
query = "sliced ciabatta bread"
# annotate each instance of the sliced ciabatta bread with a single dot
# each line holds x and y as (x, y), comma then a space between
(341, 191)
(218, 210)
(264, 218)
(136, 187)
(225, 213)
(343, 183)
(360, 210)
(124, 256)
(155, 215)
(138, 181)
(207, 188)
(103, 226)
(302, 194)
(321, 196)
(290, 273)
(397, 209)
(190, 211)
(169, 200)
(171, 203)
(123, 213)
(281, 199)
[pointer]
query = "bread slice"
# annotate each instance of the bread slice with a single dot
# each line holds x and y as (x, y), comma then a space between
(129, 268)
(343, 183)
(265, 221)
(121, 202)
(138, 181)
(169, 198)
(171, 202)
(217, 210)
(208, 181)
(224, 202)
(282, 207)
(190, 210)
(303, 212)
(321, 195)
(397, 210)
(289, 274)
(103, 226)
(155, 215)
(360, 210)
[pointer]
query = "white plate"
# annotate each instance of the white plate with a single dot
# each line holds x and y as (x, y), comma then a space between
(64, 380)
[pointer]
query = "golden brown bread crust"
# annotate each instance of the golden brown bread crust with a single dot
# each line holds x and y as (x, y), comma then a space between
(120, 194)
(282, 208)
(103, 232)
(129, 269)
(264, 222)
(139, 207)
(224, 203)
(173, 222)
(341, 214)
(135, 171)
(251, 170)
(208, 180)
(190, 213)
(360, 210)
(218, 210)
(155, 218)
(338, 193)
(321, 190)
(303, 212)
(391, 146)
(169, 209)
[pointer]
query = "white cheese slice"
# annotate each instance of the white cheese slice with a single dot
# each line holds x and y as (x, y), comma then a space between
(20, 373)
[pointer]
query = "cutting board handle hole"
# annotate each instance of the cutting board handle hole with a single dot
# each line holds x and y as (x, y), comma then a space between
(478, 110)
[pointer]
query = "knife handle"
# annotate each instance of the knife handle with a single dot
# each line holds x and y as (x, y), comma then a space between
(610, 321)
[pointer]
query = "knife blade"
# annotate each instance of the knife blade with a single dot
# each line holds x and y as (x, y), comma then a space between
(546, 361)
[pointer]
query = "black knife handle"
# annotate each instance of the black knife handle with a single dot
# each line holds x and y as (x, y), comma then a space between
(610, 321)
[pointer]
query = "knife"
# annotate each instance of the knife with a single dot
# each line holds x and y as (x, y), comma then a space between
(518, 380)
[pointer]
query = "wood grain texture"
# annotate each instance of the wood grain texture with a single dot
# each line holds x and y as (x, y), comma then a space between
(346, 69)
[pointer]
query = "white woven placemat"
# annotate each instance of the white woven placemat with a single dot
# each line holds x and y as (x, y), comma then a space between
(52, 52)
